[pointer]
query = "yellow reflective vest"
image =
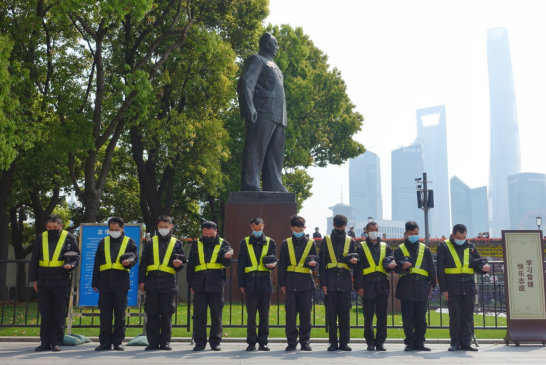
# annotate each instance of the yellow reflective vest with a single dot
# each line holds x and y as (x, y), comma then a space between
(298, 267)
(203, 265)
(164, 266)
(333, 260)
(373, 267)
(253, 260)
(54, 262)
(108, 256)
(459, 269)
(416, 269)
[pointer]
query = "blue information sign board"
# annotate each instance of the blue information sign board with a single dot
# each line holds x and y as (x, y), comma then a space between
(90, 235)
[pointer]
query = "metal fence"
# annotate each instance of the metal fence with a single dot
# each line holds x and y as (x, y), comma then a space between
(19, 307)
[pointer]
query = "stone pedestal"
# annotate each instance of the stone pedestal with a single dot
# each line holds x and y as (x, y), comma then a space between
(275, 209)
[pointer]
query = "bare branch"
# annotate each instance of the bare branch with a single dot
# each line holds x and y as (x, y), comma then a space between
(73, 176)
(107, 162)
(86, 27)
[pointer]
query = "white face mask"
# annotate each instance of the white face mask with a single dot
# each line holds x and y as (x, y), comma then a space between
(373, 235)
(164, 231)
(115, 234)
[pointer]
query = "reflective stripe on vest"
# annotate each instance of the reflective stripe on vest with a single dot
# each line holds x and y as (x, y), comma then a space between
(165, 265)
(108, 255)
(373, 267)
(333, 264)
(213, 258)
(460, 269)
(255, 266)
(417, 268)
(299, 267)
(54, 262)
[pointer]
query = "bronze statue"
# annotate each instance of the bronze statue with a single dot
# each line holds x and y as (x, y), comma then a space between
(263, 107)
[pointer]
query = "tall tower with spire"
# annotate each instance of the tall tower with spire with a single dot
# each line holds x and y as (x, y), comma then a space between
(504, 159)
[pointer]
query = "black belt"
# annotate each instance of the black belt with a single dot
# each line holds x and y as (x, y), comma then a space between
(461, 279)
(376, 278)
(338, 269)
(55, 277)
(257, 274)
(159, 273)
(417, 277)
(207, 271)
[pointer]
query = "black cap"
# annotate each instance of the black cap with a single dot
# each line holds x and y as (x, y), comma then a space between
(479, 263)
(311, 258)
(269, 259)
(71, 257)
(404, 260)
(177, 256)
(351, 256)
(130, 256)
(388, 260)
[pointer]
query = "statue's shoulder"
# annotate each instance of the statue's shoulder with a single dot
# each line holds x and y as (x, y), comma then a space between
(255, 58)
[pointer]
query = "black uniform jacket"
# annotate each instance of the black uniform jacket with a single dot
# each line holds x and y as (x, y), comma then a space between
(113, 280)
(212, 280)
(415, 290)
(257, 282)
(52, 276)
(297, 281)
(159, 281)
(337, 279)
(445, 260)
(372, 288)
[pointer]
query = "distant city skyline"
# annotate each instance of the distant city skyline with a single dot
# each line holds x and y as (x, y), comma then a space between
(365, 187)
(399, 65)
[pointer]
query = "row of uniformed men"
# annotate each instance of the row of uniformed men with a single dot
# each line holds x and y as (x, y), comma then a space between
(56, 254)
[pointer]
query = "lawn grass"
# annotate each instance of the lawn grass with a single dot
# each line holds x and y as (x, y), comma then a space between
(277, 317)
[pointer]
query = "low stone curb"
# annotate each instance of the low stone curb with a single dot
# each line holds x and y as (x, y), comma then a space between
(271, 340)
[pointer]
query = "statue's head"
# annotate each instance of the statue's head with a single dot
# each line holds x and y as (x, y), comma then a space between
(269, 45)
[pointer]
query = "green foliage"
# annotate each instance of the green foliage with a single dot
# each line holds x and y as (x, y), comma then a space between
(298, 182)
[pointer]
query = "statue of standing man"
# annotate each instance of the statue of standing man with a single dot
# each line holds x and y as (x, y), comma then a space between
(263, 107)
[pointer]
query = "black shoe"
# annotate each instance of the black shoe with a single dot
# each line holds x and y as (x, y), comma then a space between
(408, 348)
(215, 348)
(104, 347)
(199, 348)
(453, 348)
(119, 347)
(333, 347)
(263, 348)
(345, 348)
(55, 348)
(421, 348)
(165, 347)
(43, 348)
(371, 348)
(305, 347)
(251, 347)
(290, 348)
(380, 348)
(151, 348)
(468, 348)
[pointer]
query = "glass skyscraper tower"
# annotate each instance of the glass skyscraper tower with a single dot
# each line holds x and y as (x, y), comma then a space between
(365, 187)
(505, 150)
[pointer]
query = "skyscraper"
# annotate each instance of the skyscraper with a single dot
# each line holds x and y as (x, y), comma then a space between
(480, 214)
(407, 165)
(365, 187)
(505, 151)
(461, 204)
(431, 134)
(526, 193)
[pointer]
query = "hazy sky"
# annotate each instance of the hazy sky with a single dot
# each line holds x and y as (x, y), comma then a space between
(399, 56)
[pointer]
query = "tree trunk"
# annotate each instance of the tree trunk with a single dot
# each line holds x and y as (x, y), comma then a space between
(6, 182)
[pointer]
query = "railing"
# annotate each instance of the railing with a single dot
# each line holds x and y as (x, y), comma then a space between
(490, 307)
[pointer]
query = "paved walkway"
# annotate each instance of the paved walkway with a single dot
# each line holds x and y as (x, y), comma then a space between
(233, 353)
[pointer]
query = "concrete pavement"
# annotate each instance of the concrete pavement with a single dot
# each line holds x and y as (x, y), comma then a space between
(233, 353)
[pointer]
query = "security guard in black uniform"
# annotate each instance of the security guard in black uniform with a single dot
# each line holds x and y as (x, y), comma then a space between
(372, 284)
(417, 279)
(50, 271)
(457, 260)
(298, 260)
(115, 256)
(337, 258)
(206, 276)
(162, 257)
(257, 258)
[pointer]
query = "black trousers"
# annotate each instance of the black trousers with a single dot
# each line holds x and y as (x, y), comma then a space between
(461, 315)
(263, 152)
(377, 306)
(414, 321)
(52, 302)
(257, 303)
(159, 309)
(298, 303)
(338, 307)
(112, 305)
(214, 301)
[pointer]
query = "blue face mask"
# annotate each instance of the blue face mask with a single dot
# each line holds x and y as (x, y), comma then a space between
(258, 233)
(298, 235)
(460, 242)
(413, 239)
